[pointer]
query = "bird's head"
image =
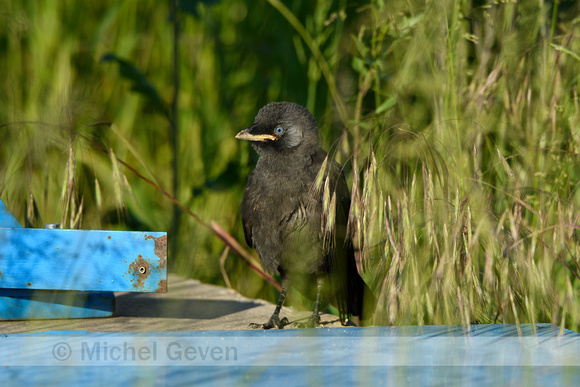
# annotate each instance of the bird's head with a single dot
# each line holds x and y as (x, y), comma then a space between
(281, 127)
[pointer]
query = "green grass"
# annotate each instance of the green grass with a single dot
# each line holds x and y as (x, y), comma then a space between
(457, 120)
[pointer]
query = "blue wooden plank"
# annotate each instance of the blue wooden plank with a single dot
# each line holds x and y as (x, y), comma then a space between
(83, 260)
(420, 331)
(350, 356)
(6, 217)
(24, 304)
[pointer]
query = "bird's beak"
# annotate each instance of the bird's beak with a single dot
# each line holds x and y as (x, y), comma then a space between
(245, 135)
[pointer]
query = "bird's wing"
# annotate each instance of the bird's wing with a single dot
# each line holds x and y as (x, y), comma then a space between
(339, 188)
(247, 232)
(300, 233)
(346, 284)
(246, 211)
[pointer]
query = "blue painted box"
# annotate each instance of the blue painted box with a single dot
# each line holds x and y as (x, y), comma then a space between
(53, 273)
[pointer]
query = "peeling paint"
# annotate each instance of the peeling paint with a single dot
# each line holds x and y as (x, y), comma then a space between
(160, 249)
(162, 287)
(134, 270)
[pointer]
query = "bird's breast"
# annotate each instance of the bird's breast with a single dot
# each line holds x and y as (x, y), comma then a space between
(284, 218)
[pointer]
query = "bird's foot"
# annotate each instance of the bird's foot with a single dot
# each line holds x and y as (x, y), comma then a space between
(313, 321)
(273, 322)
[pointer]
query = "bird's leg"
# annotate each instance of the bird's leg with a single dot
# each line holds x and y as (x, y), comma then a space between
(314, 320)
(274, 321)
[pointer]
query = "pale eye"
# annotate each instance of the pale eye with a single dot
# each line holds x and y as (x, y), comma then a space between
(279, 130)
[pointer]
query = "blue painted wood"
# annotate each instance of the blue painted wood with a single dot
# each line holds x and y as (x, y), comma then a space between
(23, 304)
(32, 303)
(476, 356)
(6, 217)
(84, 260)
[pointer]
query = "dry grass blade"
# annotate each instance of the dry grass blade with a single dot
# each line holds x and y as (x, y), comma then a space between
(223, 258)
(131, 148)
(118, 185)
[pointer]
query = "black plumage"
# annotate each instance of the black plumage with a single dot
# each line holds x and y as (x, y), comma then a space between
(283, 216)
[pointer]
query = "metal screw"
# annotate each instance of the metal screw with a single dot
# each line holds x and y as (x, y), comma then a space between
(52, 226)
(142, 269)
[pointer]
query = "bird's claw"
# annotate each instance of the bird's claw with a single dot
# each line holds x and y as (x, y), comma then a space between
(273, 322)
(313, 321)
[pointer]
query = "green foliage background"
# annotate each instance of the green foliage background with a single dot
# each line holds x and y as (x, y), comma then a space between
(457, 120)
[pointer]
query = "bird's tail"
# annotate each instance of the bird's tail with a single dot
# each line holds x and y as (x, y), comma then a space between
(360, 300)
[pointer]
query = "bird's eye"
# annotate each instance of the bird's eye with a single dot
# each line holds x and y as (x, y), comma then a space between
(279, 130)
